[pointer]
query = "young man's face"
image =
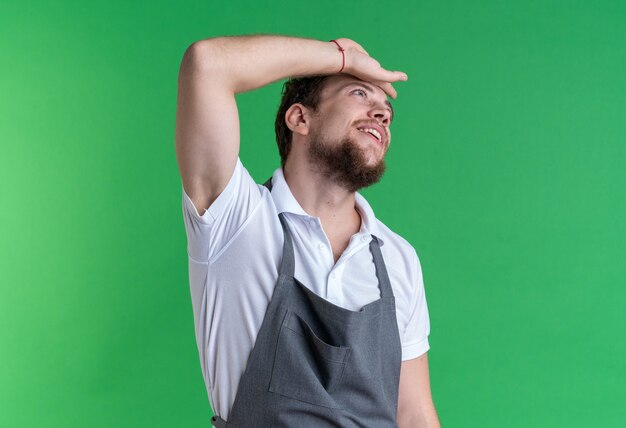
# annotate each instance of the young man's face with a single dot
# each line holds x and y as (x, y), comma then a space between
(349, 135)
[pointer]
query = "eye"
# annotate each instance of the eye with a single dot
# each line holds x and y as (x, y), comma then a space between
(362, 91)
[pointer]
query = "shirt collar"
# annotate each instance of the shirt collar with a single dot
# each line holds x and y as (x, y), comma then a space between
(286, 202)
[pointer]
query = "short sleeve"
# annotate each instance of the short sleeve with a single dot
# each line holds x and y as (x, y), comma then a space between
(209, 232)
(415, 338)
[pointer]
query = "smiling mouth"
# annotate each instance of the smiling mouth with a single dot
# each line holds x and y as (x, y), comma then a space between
(373, 133)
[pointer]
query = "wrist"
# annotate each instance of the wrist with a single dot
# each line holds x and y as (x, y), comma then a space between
(340, 48)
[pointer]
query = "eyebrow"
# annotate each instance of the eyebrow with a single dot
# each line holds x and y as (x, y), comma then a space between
(369, 88)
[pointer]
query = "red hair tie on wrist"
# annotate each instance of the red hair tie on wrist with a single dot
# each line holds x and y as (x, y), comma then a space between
(343, 55)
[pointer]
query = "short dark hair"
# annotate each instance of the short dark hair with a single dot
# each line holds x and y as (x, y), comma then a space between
(303, 90)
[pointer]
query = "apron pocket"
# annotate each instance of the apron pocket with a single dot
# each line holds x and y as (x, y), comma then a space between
(305, 367)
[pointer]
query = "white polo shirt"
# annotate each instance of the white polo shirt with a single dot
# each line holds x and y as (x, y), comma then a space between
(235, 248)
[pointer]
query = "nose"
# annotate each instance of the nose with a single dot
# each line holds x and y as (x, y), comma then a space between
(381, 113)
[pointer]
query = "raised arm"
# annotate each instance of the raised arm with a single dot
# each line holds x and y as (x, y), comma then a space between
(214, 70)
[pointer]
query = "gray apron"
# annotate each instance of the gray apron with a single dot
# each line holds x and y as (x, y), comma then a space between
(315, 364)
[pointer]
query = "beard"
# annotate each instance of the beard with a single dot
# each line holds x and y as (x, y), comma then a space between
(344, 164)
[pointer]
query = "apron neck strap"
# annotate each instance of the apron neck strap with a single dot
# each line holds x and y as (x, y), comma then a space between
(381, 269)
(288, 263)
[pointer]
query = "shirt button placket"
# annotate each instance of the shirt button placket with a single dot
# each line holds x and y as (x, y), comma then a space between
(331, 287)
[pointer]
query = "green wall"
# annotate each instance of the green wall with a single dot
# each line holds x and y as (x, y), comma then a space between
(507, 174)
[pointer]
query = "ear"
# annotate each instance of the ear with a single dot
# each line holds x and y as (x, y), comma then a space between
(297, 118)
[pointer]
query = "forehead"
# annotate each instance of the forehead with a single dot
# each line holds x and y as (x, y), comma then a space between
(335, 84)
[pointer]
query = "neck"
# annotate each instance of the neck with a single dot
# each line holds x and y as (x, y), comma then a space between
(320, 197)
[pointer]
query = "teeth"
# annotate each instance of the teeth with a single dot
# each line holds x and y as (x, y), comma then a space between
(374, 132)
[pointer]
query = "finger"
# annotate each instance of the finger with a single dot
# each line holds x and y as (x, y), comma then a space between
(386, 75)
(388, 88)
(394, 76)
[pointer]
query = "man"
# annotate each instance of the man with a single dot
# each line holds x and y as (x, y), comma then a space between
(308, 311)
